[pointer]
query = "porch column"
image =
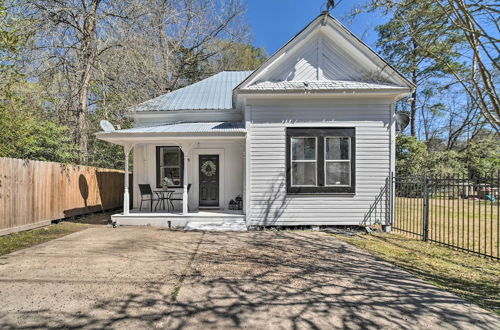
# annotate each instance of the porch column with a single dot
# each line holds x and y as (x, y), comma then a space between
(126, 196)
(244, 208)
(185, 190)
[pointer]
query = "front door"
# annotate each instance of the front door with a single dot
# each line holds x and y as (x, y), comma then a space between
(209, 180)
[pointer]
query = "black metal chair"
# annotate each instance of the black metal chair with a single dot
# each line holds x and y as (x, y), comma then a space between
(179, 198)
(145, 190)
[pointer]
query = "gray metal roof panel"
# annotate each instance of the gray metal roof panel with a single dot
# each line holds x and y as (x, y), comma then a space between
(212, 93)
(198, 127)
(319, 85)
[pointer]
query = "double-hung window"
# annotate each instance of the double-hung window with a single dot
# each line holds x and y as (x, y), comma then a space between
(337, 161)
(304, 161)
(320, 160)
(170, 164)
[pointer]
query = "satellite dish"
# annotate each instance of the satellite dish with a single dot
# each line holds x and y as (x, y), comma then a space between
(402, 120)
(107, 126)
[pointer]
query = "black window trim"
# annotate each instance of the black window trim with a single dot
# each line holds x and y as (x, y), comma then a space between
(158, 170)
(321, 133)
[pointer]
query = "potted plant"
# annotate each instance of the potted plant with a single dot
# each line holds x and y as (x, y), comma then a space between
(165, 183)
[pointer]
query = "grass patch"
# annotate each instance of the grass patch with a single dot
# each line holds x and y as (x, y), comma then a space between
(21, 240)
(474, 278)
(174, 294)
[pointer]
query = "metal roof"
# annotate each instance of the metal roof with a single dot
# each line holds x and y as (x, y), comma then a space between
(212, 93)
(198, 127)
(323, 85)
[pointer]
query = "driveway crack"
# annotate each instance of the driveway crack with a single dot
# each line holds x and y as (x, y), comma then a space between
(186, 271)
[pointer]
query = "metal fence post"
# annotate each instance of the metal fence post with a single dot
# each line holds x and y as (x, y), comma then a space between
(425, 229)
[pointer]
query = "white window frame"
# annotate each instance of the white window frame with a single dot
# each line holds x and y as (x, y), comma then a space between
(337, 160)
(304, 161)
(179, 166)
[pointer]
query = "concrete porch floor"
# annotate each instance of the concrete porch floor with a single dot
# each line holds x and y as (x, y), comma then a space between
(201, 213)
(176, 219)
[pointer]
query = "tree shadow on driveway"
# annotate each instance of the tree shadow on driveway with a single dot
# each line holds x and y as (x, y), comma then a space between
(282, 280)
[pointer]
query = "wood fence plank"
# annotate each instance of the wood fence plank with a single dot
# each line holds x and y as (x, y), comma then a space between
(34, 192)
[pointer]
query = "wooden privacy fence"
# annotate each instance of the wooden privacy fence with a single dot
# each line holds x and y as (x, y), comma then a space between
(33, 193)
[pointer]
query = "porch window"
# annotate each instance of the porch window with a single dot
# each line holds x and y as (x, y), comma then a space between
(320, 160)
(170, 164)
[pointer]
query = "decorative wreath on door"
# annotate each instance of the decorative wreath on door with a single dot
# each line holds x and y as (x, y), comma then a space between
(208, 168)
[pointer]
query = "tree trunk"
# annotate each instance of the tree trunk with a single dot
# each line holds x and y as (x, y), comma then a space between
(414, 78)
(88, 57)
(82, 131)
(413, 114)
(82, 119)
(83, 107)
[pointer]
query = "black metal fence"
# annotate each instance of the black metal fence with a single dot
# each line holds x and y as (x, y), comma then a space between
(454, 211)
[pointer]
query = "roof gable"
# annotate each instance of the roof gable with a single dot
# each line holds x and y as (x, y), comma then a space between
(316, 60)
(325, 51)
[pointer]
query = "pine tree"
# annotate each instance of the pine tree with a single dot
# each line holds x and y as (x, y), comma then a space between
(417, 31)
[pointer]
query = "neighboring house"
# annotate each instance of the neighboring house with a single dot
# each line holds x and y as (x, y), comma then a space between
(306, 139)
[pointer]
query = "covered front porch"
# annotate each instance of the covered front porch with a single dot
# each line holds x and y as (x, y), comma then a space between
(205, 167)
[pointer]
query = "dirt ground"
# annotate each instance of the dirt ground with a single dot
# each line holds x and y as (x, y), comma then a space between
(150, 278)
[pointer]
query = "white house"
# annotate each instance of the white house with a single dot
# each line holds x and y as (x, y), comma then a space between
(306, 139)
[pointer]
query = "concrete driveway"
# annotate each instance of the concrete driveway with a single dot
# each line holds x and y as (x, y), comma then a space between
(148, 278)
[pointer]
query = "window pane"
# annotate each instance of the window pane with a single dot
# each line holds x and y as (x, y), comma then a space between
(170, 156)
(173, 174)
(303, 148)
(304, 174)
(337, 148)
(338, 173)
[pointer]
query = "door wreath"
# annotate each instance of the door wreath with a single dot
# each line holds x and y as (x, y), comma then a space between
(208, 168)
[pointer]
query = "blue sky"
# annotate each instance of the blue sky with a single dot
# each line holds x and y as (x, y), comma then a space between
(274, 22)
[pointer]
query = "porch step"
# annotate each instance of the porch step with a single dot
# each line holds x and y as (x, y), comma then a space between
(221, 225)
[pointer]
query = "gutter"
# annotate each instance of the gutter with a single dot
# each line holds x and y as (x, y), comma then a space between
(139, 135)
(324, 91)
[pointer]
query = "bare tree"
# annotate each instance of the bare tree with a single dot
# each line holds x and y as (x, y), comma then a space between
(94, 55)
(474, 22)
(72, 37)
(172, 45)
(461, 119)
(471, 17)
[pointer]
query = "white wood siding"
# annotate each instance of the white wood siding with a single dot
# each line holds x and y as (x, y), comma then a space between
(320, 58)
(269, 202)
(164, 117)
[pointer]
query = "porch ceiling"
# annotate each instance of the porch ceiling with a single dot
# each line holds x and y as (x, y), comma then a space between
(178, 131)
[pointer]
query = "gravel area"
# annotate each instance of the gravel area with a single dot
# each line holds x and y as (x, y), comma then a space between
(151, 278)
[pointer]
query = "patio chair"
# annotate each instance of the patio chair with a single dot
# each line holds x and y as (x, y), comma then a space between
(146, 191)
(179, 198)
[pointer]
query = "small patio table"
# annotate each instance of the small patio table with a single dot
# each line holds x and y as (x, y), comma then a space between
(164, 195)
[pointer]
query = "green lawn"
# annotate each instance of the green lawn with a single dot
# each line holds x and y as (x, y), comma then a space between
(17, 241)
(470, 224)
(471, 277)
